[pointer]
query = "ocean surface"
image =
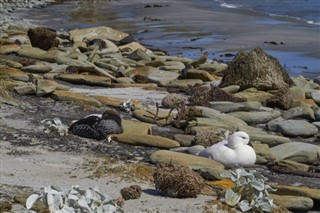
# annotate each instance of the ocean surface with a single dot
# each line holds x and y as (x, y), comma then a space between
(300, 10)
(174, 36)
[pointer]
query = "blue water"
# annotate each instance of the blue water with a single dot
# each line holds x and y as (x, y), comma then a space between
(299, 10)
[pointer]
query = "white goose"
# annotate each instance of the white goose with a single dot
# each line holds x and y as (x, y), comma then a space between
(232, 152)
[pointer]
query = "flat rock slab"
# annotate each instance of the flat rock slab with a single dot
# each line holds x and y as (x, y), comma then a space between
(294, 203)
(93, 80)
(220, 119)
(297, 151)
(227, 106)
(101, 32)
(253, 95)
(299, 112)
(316, 96)
(297, 191)
(296, 128)
(162, 78)
(146, 140)
(37, 68)
(15, 74)
(60, 95)
(270, 140)
(252, 118)
(45, 87)
(144, 115)
(134, 127)
(192, 161)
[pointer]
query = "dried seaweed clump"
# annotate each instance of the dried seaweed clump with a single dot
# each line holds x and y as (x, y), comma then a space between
(208, 137)
(202, 95)
(282, 99)
(172, 100)
(193, 112)
(177, 181)
(131, 192)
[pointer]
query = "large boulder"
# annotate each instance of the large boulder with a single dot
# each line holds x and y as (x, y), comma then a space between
(43, 38)
(256, 69)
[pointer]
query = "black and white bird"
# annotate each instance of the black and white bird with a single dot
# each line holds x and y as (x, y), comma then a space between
(97, 126)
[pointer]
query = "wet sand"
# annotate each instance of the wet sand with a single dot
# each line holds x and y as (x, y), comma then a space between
(189, 28)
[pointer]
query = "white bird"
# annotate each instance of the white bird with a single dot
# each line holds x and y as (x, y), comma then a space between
(232, 152)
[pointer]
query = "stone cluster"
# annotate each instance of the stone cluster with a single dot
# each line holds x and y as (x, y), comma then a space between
(101, 56)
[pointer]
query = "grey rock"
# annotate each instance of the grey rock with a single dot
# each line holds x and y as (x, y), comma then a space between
(184, 140)
(194, 150)
(37, 68)
(317, 80)
(295, 128)
(226, 106)
(317, 124)
(214, 168)
(297, 151)
(317, 114)
(139, 55)
(297, 93)
(316, 96)
(27, 89)
(252, 118)
(270, 140)
(273, 124)
(217, 119)
(307, 85)
(172, 66)
(293, 203)
(303, 111)
(162, 78)
(183, 83)
(213, 67)
(231, 89)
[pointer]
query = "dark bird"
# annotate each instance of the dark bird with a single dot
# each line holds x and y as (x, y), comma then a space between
(98, 126)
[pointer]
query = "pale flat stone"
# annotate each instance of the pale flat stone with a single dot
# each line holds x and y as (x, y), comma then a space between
(294, 203)
(296, 128)
(192, 161)
(146, 140)
(252, 118)
(297, 151)
(60, 95)
(227, 106)
(85, 79)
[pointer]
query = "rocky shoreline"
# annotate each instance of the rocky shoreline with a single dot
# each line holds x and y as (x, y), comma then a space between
(68, 75)
(8, 8)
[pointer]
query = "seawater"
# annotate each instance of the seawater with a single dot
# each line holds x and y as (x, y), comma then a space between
(300, 10)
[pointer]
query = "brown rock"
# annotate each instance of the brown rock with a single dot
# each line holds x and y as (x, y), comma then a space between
(177, 181)
(43, 38)
(146, 140)
(60, 95)
(256, 69)
(202, 95)
(282, 99)
(7, 49)
(85, 79)
(14, 74)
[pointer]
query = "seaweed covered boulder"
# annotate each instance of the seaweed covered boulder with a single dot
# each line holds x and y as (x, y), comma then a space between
(256, 69)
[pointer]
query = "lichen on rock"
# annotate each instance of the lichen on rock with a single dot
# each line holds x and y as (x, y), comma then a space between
(256, 69)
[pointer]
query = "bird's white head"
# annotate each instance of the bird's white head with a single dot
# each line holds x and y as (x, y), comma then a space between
(238, 139)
